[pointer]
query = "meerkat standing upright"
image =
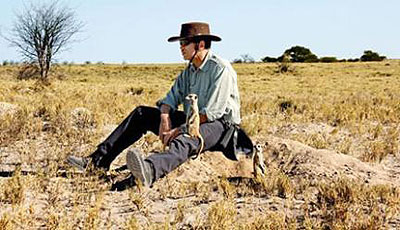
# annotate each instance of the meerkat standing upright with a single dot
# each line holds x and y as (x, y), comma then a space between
(193, 121)
(259, 168)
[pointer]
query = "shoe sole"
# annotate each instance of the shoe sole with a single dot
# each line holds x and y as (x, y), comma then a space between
(75, 164)
(135, 162)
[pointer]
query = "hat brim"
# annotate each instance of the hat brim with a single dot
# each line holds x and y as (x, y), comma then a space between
(210, 37)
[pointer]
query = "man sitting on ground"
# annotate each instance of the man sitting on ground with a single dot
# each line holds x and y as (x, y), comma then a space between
(208, 76)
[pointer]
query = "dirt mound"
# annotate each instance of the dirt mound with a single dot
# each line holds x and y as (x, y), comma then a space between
(295, 159)
(299, 160)
(211, 165)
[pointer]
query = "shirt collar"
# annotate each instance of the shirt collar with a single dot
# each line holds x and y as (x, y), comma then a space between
(204, 66)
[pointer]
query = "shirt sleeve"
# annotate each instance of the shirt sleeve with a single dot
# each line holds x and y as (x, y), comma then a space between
(175, 95)
(220, 92)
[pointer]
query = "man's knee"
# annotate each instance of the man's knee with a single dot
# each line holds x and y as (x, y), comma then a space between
(145, 118)
(141, 109)
(183, 146)
(145, 111)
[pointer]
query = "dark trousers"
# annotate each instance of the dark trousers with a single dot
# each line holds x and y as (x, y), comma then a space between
(144, 119)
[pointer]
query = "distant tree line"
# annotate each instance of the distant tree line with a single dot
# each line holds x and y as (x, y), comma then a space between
(11, 62)
(303, 54)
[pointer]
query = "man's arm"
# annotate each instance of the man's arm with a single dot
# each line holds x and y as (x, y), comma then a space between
(173, 98)
(165, 121)
(164, 108)
(175, 95)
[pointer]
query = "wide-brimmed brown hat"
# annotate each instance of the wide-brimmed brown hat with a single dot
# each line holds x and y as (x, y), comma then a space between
(194, 30)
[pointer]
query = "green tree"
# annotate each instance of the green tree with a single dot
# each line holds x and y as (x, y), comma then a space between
(369, 55)
(300, 54)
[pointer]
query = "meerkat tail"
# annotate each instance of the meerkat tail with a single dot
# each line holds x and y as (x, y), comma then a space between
(201, 143)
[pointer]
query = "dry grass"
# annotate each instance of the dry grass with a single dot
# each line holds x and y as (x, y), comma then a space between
(221, 215)
(351, 108)
(349, 204)
(13, 189)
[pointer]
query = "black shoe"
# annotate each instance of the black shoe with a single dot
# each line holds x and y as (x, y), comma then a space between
(82, 163)
(139, 168)
(124, 184)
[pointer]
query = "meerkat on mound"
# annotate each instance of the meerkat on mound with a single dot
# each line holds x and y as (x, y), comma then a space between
(193, 122)
(259, 168)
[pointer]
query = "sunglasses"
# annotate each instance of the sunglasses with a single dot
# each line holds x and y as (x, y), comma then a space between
(185, 42)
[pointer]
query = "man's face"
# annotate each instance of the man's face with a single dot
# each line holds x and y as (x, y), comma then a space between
(187, 49)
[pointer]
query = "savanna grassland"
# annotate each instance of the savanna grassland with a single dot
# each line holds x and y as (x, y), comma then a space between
(332, 154)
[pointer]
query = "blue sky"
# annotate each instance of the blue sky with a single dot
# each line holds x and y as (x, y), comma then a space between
(135, 31)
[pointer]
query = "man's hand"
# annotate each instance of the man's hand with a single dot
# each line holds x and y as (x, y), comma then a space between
(170, 135)
(165, 126)
(203, 118)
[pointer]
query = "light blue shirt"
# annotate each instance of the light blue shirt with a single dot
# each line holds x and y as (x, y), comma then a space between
(214, 82)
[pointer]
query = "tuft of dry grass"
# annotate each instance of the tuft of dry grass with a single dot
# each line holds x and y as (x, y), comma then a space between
(226, 188)
(14, 189)
(137, 199)
(180, 212)
(275, 182)
(5, 222)
(221, 215)
(56, 221)
(92, 219)
(343, 204)
(132, 224)
(270, 220)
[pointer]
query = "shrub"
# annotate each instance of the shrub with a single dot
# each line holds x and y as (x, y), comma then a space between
(237, 60)
(328, 59)
(269, 59)
(353, 60)
(28, 71)
(369, 55)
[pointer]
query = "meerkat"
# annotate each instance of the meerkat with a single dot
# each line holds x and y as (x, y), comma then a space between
(193, 122)
(259, 168)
